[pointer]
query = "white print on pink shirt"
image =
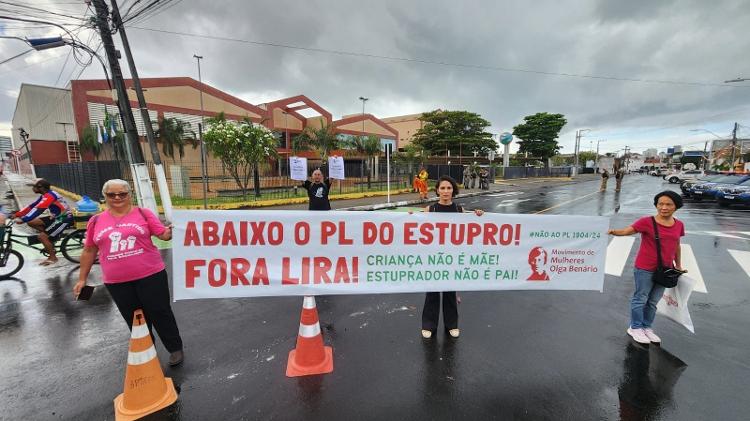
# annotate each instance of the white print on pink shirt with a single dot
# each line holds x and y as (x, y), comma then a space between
(120, 248)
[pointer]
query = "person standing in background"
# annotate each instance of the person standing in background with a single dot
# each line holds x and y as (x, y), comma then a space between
(317, 191)
(605, 179)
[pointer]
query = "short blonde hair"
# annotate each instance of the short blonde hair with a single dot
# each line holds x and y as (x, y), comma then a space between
(115, 182)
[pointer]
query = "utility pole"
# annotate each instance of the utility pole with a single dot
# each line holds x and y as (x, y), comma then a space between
(596, 164)
(627, 158)
(575, 153)
(734, 144)
(204, 169)
(141, 181)
(705, 157)
(579, 134)
(161, 178)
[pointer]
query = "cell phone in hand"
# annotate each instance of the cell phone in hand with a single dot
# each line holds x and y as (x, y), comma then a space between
(85, 293)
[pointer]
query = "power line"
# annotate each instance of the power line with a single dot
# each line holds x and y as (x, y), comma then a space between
(36, 9)
(17, 56)
(437, 62)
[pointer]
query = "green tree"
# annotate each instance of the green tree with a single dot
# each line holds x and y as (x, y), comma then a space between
(412, 156)
(322, 140)
(367, 146)
(174, 135)
(460, 132)
(584, 156)
(559, 160)
(538, 134)
(241, 147)
(90, 141)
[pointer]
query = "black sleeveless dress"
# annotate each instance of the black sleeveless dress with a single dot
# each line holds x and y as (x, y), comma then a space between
(431, 311)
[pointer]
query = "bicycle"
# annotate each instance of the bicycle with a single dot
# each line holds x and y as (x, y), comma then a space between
(11, 261)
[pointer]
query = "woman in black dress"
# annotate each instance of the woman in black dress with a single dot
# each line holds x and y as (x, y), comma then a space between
(446, 189)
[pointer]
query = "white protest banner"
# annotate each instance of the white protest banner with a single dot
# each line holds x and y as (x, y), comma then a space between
(336, 167)
(221, 254)
(298, 167)
(674, 302)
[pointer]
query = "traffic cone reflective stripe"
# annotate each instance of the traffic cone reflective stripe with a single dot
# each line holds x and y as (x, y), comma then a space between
(310, 356)
(146, 389)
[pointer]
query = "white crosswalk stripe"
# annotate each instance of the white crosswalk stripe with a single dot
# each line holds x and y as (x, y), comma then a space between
(743, 258)
(618, 251)
(620, 248)
(689, 263)
(724, 234)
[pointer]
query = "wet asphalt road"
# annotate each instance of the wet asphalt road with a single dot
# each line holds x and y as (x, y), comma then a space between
(521, 355)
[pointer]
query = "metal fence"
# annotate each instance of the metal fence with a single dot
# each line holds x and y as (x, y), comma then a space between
(525, 172)
(84, 178)
(186, 183)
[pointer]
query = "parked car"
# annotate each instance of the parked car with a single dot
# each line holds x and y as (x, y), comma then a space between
(680, 176)
(658, 172)
(686, 185)
(735, 194)
(708, 190)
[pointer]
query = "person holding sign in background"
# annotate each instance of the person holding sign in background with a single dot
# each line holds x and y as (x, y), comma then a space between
(317, 191)
(421, 182)
(446, 189)
(648, 293)
(134, 272)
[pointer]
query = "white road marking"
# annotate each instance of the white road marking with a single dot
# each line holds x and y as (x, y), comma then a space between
(510, 202)
(689, 263)
(510, 193)
(723, 234)
(743, 258)
(618, 251)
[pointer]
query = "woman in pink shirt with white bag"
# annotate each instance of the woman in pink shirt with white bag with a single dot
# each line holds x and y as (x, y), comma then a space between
(134, 272)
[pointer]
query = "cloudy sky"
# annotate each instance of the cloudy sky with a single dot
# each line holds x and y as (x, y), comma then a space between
(639, 73)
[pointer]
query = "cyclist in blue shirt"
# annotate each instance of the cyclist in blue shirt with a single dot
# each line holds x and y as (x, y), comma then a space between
(49, 227)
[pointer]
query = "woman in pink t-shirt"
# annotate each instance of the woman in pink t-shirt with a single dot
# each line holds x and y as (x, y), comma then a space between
(647, 293)
(134, 272)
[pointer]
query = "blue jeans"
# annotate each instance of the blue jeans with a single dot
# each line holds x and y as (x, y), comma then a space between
(643, 304)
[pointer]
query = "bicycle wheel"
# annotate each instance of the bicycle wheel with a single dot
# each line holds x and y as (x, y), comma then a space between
(72, 245)
(12, 265)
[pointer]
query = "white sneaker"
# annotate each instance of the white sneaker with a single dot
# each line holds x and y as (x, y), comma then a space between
(454, 333)
(427, 334)
(653, 337)
(639, 336)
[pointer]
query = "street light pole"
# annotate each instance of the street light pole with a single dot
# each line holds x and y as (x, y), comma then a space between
(204, 176)
(25, 137)
(579, 135)
(706, 158)
(363, 99)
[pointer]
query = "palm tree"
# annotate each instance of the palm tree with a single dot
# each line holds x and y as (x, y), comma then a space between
(323, 140)
(90, 141)
(412, 155)
(174, 134)
(367, 146)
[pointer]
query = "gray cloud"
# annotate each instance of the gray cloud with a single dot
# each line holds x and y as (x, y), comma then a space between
(676, 41)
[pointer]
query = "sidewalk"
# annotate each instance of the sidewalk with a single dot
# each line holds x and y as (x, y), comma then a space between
(21, 188)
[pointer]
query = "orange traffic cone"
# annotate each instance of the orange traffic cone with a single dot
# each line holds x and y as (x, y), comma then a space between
(146, 388)
(310, 356)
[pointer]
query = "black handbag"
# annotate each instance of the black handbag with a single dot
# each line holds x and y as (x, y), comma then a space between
(666, 277)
